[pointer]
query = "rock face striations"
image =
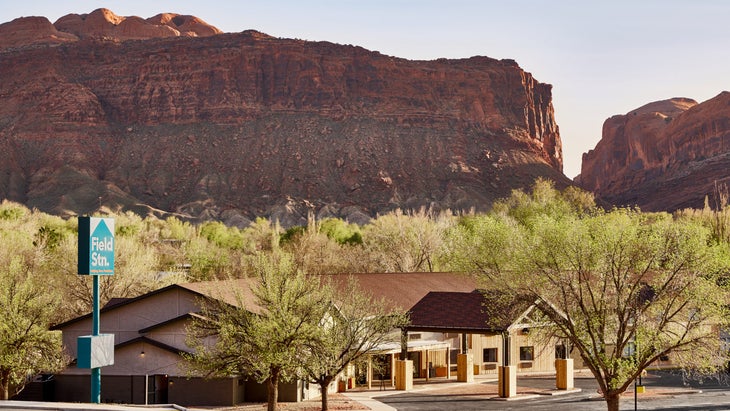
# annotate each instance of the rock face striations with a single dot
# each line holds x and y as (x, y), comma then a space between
(665, 155)
(233, 126)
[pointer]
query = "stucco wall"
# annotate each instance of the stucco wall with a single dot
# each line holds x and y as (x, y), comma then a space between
(126, 321)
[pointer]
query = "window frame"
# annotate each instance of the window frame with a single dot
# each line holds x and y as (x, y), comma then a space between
(525, 350)
(485, 356)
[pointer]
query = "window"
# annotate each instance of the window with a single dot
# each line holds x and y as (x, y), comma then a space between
(527, 353)
(629, 350)
(560, 351)
(489, 355)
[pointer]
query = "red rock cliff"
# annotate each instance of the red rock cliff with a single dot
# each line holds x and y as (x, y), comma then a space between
(249, 125)
(665, 155)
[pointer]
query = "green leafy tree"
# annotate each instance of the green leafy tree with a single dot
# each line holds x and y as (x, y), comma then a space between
(262, 235)
(356, 327)
(399, 242)
(545, 200)
(341, 231)
(11, 211)
(27, 347)
(610, 283)
(264, 338)
(316, 252)
(222, 236)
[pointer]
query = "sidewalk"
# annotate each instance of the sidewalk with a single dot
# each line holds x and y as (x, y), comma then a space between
(64, 406)
(483, 387)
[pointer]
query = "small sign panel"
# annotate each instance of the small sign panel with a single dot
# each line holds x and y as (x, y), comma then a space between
(95, 351)
(96, 246)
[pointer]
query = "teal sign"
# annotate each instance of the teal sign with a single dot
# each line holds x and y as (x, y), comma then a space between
(96, 246)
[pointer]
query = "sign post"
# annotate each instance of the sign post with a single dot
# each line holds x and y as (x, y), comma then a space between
(96, 257)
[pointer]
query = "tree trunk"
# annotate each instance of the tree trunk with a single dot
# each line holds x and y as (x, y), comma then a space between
(324, 387)
(612, 400)
(272, 388)
(4, 385)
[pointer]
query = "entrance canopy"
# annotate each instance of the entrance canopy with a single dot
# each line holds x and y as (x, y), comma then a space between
(469, 313)
(417, 345)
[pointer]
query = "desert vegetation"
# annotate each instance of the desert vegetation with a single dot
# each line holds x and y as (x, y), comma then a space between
(609, 280)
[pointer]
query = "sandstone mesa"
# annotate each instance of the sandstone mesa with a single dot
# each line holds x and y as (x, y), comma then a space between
(168, 115)
(666, 155)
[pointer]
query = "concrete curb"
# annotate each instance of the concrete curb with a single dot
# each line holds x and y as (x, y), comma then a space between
(71, 406)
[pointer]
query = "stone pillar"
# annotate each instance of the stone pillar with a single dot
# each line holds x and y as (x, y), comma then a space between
(465, 368)
(507, 382)
(564, 374)
(404, 375)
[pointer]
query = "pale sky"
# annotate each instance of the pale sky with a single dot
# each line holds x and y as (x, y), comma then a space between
(602, 57)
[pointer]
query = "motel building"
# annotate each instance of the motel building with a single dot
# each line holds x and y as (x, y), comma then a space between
(455, 332)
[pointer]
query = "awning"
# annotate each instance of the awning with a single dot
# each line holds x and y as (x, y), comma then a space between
(415, 345)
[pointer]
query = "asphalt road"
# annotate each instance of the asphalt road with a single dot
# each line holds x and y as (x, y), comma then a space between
(678, 394)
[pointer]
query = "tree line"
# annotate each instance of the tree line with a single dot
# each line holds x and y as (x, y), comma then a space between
(609, 281)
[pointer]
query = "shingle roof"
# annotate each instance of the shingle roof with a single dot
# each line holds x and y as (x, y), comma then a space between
(235, 292)
(121, 302)
(474, 312)
(399, 290)
(403, 290)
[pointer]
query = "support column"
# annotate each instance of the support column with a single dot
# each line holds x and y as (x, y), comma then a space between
(465, 368)
(428, 369)
(370, 372)
(448, 363)
(464, 363)
(507, 381)
(404, 375)
(403, 344)
(392, 370)
(564, 374)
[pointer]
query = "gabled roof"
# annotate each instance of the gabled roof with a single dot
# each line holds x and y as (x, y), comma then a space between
(150, 341)
(474, 312)
(114, 301)
(403, 290)
(398, 290)
(145, 340)
(126, 301)
(228, 291)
